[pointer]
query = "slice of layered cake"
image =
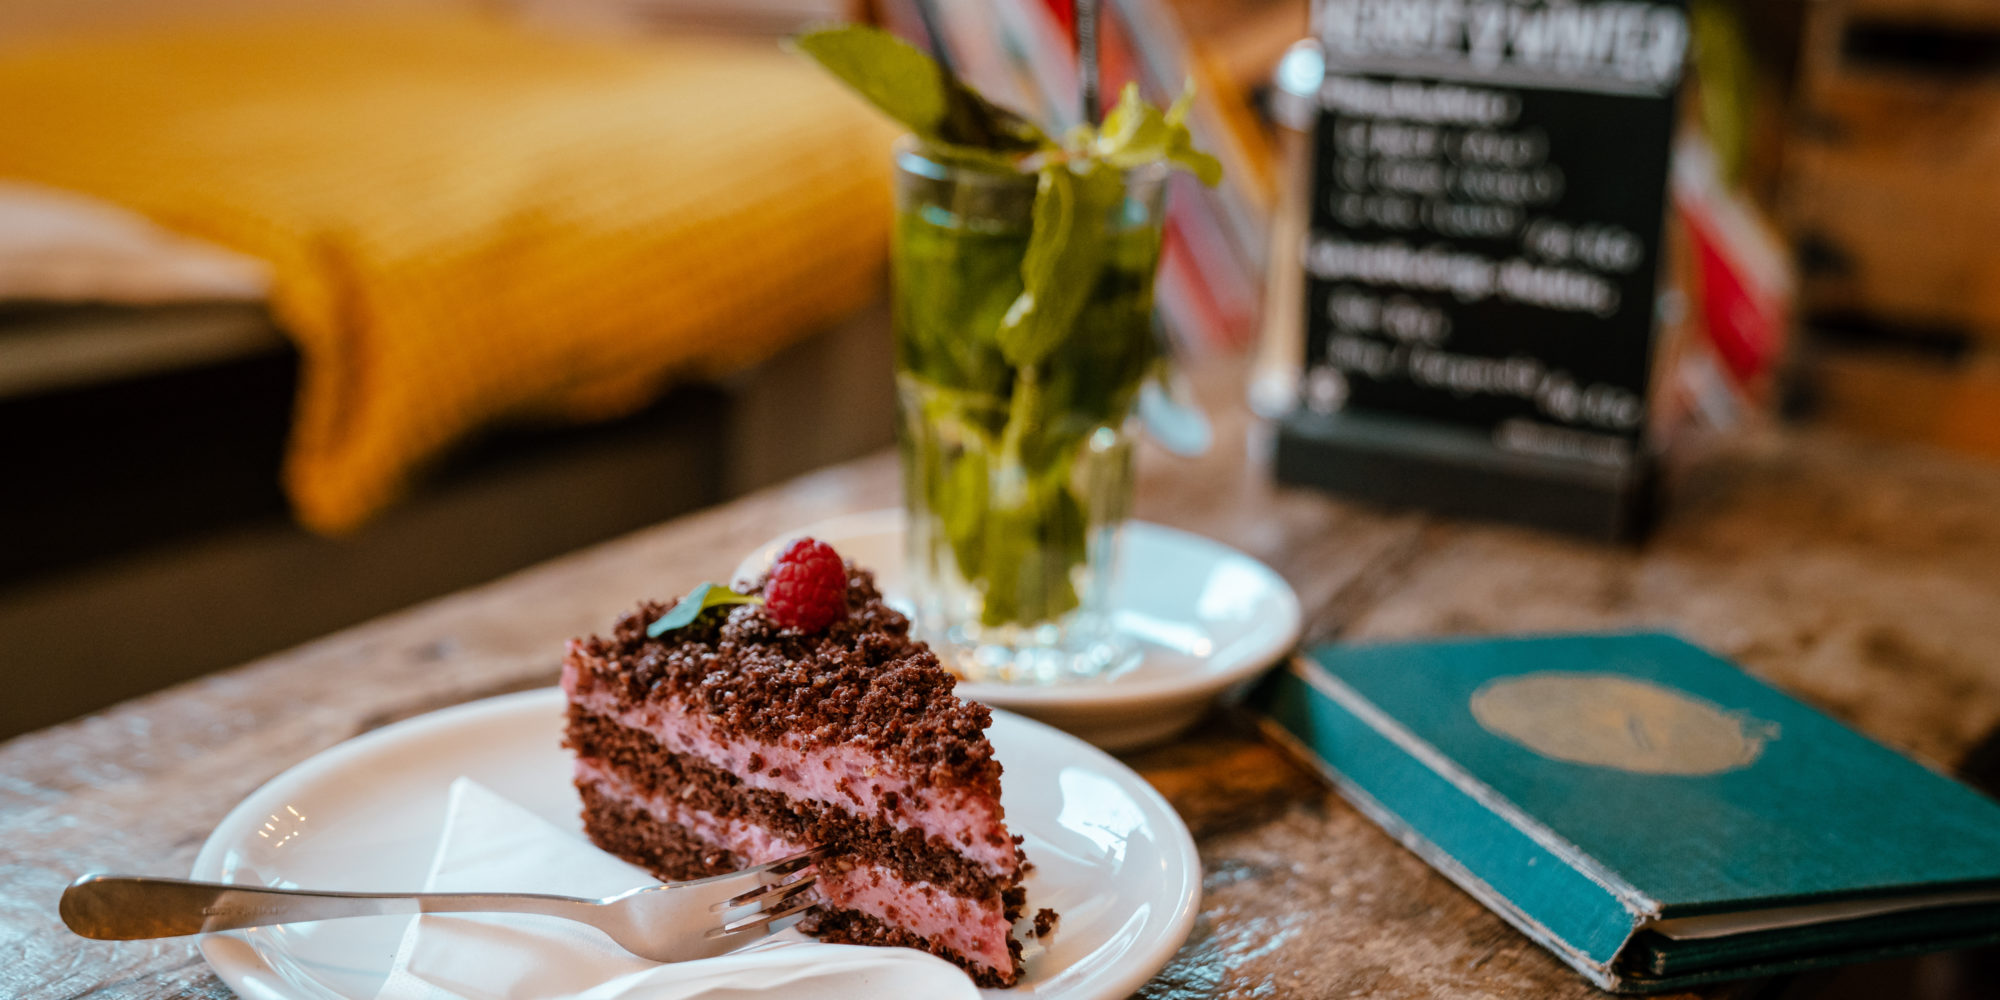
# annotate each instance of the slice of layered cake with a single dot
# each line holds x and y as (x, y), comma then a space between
(734, 729)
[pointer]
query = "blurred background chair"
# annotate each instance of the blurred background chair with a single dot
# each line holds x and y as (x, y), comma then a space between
(151, 394)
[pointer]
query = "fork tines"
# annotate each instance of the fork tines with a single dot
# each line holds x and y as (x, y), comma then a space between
(772, 913)
(786, 866)
(776, 898)
(768, 894)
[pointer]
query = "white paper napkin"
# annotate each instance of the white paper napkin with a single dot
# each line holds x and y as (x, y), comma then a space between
(493, 845)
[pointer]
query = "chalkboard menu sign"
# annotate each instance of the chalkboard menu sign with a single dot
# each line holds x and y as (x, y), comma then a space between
(1489, 186)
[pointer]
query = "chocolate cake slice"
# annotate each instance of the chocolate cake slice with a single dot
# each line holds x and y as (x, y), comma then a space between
(734, 740)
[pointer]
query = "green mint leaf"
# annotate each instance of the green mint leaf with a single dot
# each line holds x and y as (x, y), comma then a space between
(698, 600)
(1205, 168)
(910, 86)
(1066, 250)
(960, 502)
(1181, 153)
(1030, 550)
(1178, 112)
(890, 73)
(1053, 217)
(1137, 133)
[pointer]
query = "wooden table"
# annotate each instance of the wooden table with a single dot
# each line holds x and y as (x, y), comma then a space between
(1863, 578)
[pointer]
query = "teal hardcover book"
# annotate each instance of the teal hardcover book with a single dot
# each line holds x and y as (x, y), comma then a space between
(1642, 808)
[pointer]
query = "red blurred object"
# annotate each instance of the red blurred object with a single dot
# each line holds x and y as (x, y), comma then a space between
(1065, 12)
(1745, 323)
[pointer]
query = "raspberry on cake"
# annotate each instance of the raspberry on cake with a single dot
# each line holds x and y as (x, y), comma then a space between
(737, 739)
(807, 586)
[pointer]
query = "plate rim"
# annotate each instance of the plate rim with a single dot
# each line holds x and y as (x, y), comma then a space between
(1113, 693)
(246, 971)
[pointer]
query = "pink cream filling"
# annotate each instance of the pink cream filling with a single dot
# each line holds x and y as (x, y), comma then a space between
(975, 929)
(845, 777)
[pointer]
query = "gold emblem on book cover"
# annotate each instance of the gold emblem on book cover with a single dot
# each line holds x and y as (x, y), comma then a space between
(1610, 720)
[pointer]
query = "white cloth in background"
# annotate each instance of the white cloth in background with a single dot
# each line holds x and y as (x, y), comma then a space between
(58, 246)
(493, 845)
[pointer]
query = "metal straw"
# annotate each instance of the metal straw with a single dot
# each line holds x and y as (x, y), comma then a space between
(927, 13)
(1089, 73)
(966, 122)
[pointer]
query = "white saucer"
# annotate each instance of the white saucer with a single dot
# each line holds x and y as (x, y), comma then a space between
(1110, 855)
(1205, 616)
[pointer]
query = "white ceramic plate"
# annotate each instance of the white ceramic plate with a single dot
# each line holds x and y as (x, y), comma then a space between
(1110, 855)
(1205, 617)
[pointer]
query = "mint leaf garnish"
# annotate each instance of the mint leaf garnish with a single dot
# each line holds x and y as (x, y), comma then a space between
(910, 86)
(1066, 250)
(1136, 133)
(698, 600)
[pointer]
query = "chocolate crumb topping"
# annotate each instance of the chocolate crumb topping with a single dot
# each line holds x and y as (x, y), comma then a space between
(1045, 922)
(863, 681)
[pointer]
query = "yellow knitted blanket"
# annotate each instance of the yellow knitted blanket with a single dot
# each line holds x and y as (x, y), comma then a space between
(470, 222)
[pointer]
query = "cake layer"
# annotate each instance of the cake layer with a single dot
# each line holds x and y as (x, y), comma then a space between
(607, 750)
(850, 778)
(676, 842)
(853, 927)
(672, 853)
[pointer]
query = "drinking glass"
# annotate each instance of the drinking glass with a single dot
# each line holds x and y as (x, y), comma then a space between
(1016, 480)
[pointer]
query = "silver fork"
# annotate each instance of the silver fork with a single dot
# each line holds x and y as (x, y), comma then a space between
(674, 922)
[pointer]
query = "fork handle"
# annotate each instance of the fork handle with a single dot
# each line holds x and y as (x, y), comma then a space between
(130, 907)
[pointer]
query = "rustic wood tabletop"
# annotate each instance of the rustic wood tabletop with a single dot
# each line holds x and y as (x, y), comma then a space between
(1862, 578)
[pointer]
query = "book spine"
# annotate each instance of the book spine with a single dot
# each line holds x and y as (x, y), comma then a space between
(1581, 916)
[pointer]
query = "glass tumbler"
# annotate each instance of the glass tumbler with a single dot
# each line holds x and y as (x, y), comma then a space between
(1016, 479)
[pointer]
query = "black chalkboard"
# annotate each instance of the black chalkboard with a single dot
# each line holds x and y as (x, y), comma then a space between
(1489, 187)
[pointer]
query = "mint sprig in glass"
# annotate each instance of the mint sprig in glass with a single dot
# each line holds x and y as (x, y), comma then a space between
(1023, 273)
